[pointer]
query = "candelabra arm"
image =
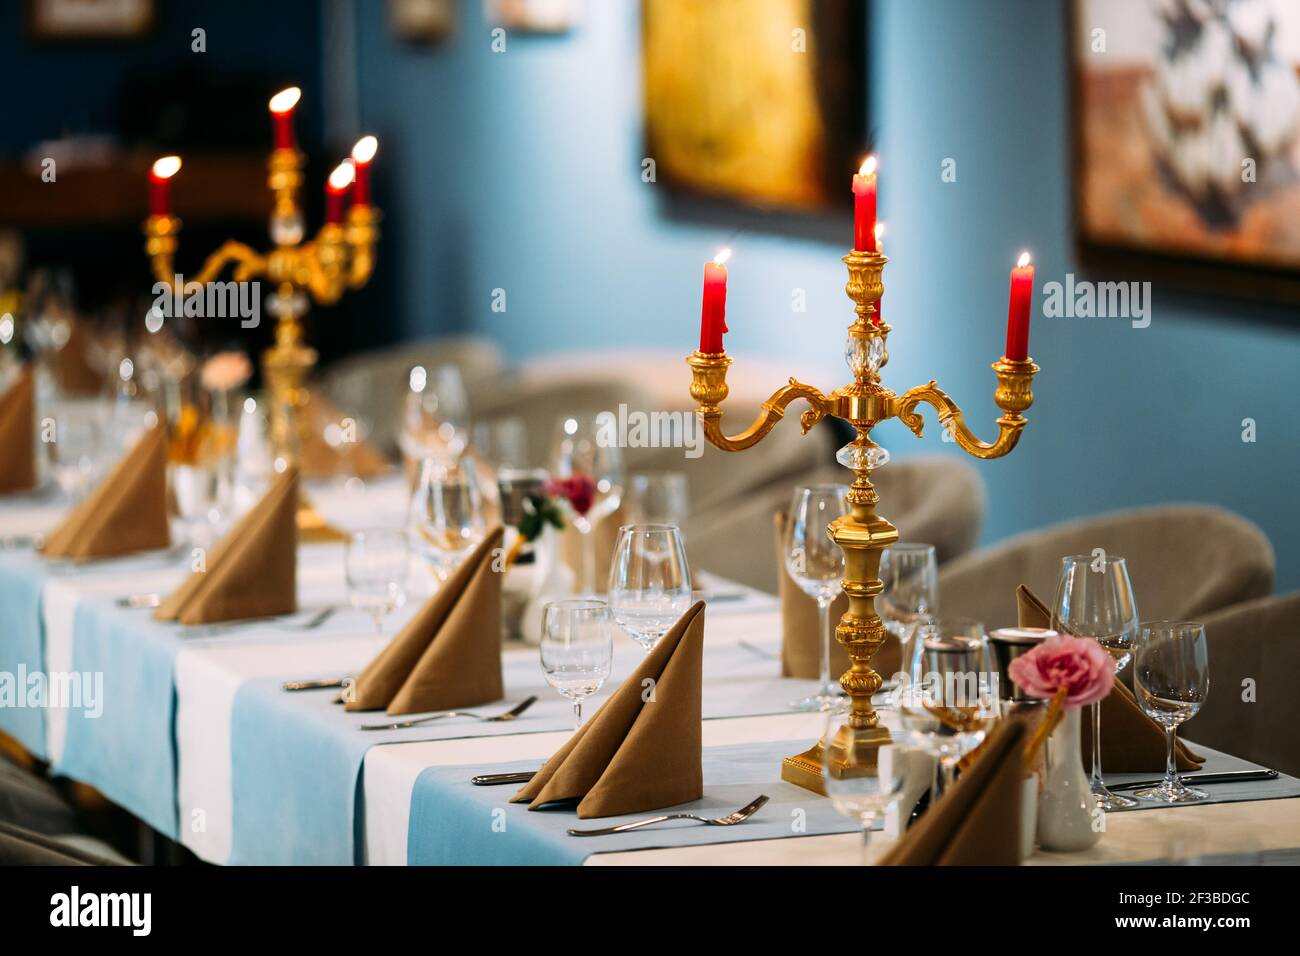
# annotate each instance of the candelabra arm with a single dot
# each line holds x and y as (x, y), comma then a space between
(1014, 394)
(709, 388)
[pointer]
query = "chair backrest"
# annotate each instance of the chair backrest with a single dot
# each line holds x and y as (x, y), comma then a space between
(935, 499)
(373, 384)
(1184, 560)
(1252, 710)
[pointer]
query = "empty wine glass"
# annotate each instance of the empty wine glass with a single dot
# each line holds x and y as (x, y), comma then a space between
(75, 452)
(587, 465)
(859, 786)
(649, 581)
(577, 649)
(502, 443)
(435, 414)
(1094, 598)
(446, 513)
(1171, 672)
(910, 575)
(659, 497)
(951, 700)
(816, 564)
(378, 565)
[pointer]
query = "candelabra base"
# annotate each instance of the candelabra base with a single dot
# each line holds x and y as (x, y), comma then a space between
(850, 757)
(312, 526)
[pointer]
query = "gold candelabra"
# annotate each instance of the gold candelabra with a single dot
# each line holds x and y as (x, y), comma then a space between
(340, 257)
(861, 534)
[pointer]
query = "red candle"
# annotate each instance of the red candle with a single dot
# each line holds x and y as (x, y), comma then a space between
(880, 248)
(160, 185)
(363, 154)
(336, 190)
(713, 317)
(282, 106)
(1022, 294)
(864, 206)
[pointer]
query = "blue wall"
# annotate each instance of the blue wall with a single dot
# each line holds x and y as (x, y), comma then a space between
(521, 170)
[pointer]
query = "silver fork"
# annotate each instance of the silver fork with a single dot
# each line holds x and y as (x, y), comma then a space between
(510, 714)
(730, 820)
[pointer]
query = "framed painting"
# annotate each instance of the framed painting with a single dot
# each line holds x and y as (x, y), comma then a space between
(1187, 142)
(759, 102)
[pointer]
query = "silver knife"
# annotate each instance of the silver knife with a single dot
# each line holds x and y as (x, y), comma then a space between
(1193, 779)
(492, 779)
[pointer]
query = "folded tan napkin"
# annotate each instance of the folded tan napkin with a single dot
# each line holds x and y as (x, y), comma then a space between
(977, 823)
(801, 627)
(319, 459)
(18, 434)
(606, 535)
(252, 571)
(126, 512)
(449, 654)
(642, 749)
(1131, 742)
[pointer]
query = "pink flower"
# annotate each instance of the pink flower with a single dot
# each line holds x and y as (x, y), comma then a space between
(1078, 664)
(225, 370)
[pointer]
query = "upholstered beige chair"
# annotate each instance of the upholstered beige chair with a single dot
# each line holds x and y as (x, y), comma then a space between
(372, 384)
(1252, 709)
(1184, 560)
(935, 499)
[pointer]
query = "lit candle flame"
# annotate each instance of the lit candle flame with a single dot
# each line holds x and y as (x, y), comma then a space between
(365, 149)
(722, 257)
(285, 100)
(880, 234)
(343, 175)
(166, 167)
(868, 166)
(1023, 260)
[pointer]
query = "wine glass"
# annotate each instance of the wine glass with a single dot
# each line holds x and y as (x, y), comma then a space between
(910, 575)
(587, 464)
(649, 581)
(816, 564)
(446, 513)
(577, 649)
(859, 787)
(435, 414)
(378, 565)
(1094, 598)
(659, 497)
(502, 443)
(1171, 672)
(951, 698)
(77, 449)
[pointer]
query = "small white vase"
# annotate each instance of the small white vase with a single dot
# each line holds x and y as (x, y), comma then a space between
(1068, 816)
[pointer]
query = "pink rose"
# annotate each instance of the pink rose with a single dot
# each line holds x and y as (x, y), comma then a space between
(225, 370)
(1078, 664)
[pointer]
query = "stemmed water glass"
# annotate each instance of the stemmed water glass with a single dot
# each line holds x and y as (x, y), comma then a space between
(910, 575)
(659, 497)
(446, 513)
(951, 698)
(649, 581)
(577, 649)
(1171, 672)
(378, 564)
(76, 450)
(435, 414)
(586, 459)
(816, 564)
(1094, 598)
(858, 786)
